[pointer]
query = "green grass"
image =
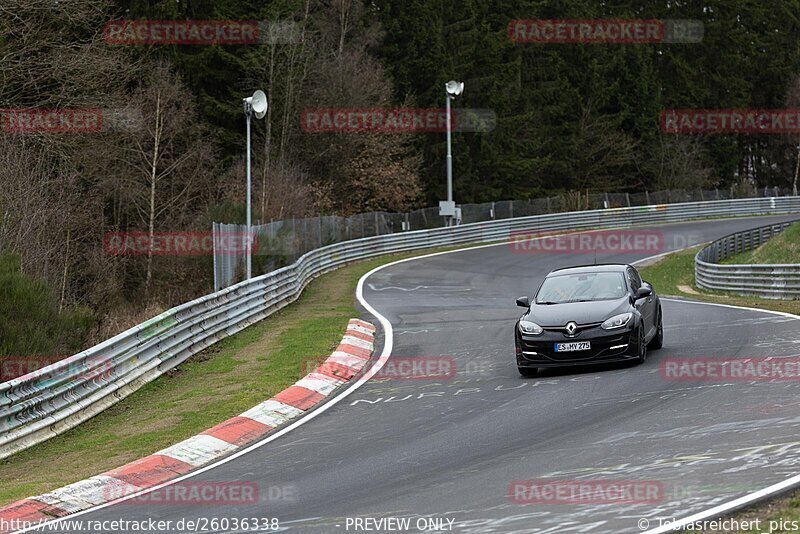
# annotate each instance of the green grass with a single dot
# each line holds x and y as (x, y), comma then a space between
(673, 275)
(783, 248)
(222, 381)
(671, 271)
(786, 508)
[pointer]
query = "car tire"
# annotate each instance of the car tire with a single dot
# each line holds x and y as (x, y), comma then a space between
(642, 356)
(528, 372)
(658, 340)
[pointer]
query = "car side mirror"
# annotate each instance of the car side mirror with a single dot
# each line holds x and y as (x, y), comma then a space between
(524, 302)
(643, 292)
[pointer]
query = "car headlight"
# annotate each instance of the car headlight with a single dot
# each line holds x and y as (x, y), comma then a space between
(618, 321)
(527, 327)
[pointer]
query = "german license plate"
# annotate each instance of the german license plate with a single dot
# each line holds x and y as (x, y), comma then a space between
(572, 347)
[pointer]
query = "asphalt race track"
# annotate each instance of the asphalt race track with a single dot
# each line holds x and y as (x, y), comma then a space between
(451, 448)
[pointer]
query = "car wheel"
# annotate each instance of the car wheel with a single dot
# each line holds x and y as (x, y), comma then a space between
(528, 372)
(658, 341)
(642, 357)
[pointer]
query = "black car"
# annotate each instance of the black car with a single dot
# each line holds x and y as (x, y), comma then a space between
(588, 315)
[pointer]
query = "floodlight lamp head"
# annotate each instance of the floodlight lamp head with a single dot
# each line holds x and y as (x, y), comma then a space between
(257, 103)
(454, 88)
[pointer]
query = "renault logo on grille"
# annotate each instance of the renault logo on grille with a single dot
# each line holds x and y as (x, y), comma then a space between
(571, 328)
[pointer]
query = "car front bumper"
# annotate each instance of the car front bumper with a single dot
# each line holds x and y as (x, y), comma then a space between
(606, 346)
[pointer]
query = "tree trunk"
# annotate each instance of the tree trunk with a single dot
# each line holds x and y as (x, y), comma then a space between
(152, 206)
(267, 139)
(64, 277)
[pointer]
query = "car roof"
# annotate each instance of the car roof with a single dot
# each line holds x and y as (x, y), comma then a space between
(599, 268)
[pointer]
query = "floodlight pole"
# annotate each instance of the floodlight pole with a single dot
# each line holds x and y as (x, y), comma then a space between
(248, 236)
(449, 158)
(452, 89)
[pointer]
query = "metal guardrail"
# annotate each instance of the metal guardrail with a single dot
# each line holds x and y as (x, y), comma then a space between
(279, 243)
(47, 402)
(779, 281)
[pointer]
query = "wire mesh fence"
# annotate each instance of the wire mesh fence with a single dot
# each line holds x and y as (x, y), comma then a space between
(280, 243)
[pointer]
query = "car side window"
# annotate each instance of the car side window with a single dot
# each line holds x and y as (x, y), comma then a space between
(634, 280)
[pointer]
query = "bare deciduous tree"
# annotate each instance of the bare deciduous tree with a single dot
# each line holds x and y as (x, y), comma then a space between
(793, 102)
(166, 156)
(675, 162)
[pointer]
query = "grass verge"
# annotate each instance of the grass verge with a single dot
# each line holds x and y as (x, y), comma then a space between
(783, 248)
(674, 275)
(220, 382)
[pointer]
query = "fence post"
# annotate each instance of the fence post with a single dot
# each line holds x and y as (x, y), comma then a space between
(295, 240)
(214, 242)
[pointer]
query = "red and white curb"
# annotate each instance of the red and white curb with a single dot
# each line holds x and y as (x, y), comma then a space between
(344, 363)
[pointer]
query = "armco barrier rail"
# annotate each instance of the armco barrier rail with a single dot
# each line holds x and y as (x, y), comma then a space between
(282, 242)
(45, 403)
(770, 281)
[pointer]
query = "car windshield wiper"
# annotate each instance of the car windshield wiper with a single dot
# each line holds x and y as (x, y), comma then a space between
(547, 302)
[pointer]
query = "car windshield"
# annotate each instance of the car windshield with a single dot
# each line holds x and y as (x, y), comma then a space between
(581, 287)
